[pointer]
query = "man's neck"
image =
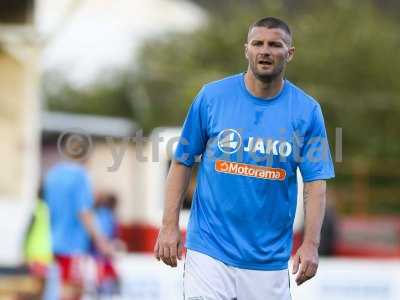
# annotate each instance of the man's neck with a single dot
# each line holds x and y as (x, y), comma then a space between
(262, 89)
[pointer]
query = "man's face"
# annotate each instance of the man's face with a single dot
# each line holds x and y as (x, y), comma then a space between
(268, 50)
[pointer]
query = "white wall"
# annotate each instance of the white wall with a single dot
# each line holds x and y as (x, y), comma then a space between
(20, 139)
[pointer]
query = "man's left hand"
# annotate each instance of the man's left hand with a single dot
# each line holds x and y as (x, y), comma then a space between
(307, 259)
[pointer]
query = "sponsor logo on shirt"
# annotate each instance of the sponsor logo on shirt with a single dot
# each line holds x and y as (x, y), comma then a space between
(235, 168)
(230, 141)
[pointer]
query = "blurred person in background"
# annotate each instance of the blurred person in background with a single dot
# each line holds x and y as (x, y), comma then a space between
(239, 236)
(107, 281)
(69, 196)
(38, 250)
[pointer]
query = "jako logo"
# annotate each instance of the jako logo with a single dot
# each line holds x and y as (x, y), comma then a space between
(230, 141)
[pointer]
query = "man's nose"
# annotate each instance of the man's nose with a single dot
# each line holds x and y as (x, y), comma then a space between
(266, 50)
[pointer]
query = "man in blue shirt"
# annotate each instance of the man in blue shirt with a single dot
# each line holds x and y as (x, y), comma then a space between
(252, 131)
(69, 196)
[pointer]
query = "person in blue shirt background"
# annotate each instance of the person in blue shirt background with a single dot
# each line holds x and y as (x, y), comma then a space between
(253, 131)
(69, 196)
(104, 212)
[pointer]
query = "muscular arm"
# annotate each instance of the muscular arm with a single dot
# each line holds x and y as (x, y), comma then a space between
(314, 210)
(169, 244)
(177, 184)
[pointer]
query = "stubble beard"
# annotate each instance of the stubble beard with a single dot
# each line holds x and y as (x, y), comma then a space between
(269, 77)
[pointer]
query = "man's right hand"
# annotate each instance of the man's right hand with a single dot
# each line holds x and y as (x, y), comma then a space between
(169, 246)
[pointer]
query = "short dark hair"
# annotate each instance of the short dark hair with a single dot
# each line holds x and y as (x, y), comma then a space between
(271, 22)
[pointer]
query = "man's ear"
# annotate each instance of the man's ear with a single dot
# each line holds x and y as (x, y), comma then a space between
(290, 54)
(245, 50)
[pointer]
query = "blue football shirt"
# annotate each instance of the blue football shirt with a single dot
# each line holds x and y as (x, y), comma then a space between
(245, 199)
(68, 192)
(105, 221)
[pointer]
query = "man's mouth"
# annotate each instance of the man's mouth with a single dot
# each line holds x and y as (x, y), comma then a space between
(265, 62)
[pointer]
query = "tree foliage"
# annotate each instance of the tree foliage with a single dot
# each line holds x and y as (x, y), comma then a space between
(345, 57)
(108, 97)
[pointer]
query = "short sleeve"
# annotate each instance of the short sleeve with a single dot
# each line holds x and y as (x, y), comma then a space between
(316, 161)
(84, 195)
(194, 136)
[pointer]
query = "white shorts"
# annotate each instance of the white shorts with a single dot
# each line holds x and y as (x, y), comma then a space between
(206, 278)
